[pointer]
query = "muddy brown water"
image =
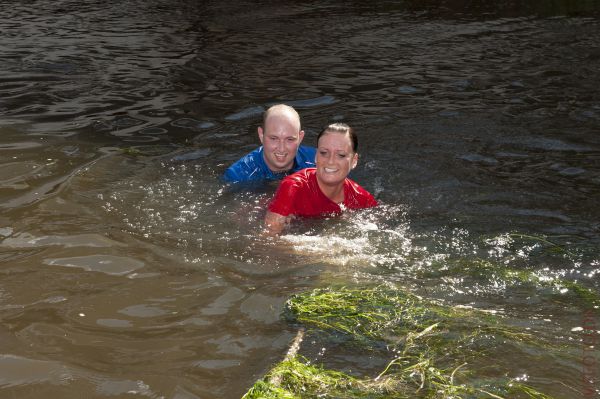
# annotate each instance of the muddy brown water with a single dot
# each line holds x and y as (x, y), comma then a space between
(127, 269)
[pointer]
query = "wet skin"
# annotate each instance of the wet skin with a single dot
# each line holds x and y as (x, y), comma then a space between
(280, 138)
(335, 159)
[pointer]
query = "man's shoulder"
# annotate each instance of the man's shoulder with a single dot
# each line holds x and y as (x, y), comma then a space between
(249, 167)
(254, 156)
(307, 152)
(305, 157)
(306, 149)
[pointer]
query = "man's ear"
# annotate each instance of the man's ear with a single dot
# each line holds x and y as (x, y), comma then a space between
(300, 136)
(260, 134)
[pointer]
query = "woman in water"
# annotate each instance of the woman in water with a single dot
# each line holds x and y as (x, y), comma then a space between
(324, 190)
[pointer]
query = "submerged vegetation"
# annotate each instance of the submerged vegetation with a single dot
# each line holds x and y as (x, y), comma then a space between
(429, 348)
(512, 261)
(495, 273)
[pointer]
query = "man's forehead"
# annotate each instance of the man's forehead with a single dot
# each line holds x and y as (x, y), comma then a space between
(281, 123)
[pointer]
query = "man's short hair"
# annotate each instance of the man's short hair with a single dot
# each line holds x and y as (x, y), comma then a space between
(281, 108)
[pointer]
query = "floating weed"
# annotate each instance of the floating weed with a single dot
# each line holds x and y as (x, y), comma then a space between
(296, 378)
(427, 341)
(364, 314)
(265, 390)
(392, 316)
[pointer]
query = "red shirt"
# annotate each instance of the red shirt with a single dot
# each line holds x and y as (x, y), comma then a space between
(299, 194)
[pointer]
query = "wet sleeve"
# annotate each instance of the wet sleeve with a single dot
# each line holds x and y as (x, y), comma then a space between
(231, 175)
(359, 197)
(284, 199)
(240, 171)
(365, 199)
(370, 201)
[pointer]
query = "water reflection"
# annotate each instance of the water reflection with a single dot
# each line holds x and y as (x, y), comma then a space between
(477, 126)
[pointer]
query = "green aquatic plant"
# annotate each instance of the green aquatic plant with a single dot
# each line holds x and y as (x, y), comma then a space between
(131, 151)
(529, 392)
(299, 379)
(265, 390)
(385, 315)
(506, 273)
(589, 296)
(364, 314)
(296, 378)
(426, 339)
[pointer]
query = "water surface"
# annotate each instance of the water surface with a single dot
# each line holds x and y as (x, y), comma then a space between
(129, 270)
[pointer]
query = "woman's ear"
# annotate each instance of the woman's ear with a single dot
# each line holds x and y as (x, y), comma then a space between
(354, 161)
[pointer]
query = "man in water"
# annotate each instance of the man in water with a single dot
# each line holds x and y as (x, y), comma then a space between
(280, 153)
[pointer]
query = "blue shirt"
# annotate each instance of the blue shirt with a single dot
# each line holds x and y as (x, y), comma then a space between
(252, 167)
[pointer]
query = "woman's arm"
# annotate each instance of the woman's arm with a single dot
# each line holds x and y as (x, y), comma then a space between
(275, 223)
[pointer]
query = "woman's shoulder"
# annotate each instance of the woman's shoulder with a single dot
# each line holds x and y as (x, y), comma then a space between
(349, 183)
(357, 196)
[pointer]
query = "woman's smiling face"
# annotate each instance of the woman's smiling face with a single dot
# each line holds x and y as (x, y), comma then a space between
(335, 158)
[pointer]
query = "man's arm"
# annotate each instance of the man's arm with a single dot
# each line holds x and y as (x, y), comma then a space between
(247, 168)
(242, 170)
